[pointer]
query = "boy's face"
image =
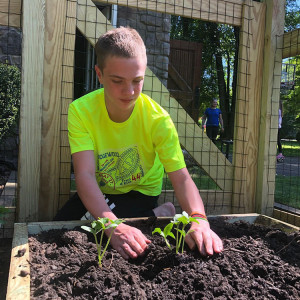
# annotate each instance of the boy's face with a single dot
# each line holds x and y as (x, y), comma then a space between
(122, 79)
(214, 103)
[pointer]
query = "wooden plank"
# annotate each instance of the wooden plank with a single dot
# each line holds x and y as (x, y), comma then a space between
(247, 115)
(68, 76)
(10, 13)
(30, 110)
(215, 202)
(19, 272)
(269, 107)
(220, 11)
(291, 43)
(287, 217)
(51, 123)
(208, 156)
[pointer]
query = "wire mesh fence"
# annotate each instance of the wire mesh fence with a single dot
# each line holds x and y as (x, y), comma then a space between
(197, 51)
(10, 94)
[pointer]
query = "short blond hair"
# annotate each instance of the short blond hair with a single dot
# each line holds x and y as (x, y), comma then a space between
(122, 42)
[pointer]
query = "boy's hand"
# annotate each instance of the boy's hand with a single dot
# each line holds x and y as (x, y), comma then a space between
(204, 238)
(129, 241)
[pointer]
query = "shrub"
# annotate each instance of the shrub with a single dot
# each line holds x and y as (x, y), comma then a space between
(10, 94)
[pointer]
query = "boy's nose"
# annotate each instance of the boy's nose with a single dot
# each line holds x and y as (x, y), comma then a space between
(129, 89)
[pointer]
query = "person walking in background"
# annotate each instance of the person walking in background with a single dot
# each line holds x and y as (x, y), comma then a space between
(213, 118)
(279, 157)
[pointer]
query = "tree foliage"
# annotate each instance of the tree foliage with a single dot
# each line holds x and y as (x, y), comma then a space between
(219, 62)
(10, 93)
(220, 57)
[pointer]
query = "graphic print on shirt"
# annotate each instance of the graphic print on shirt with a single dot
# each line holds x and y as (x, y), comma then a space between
(119, 168)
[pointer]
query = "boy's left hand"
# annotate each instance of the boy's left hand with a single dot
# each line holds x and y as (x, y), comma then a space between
(202, 237)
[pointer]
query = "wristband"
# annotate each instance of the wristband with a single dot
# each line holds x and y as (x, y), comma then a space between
(197, 215)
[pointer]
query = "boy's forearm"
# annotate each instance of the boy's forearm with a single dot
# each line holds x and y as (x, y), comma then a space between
(188, 197)
(92, 197)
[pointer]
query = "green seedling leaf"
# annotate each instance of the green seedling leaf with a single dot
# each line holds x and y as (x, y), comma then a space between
(101, 225)
(167, 232)
(89, 229)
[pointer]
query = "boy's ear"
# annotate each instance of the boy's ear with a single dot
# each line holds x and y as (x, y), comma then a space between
(98, 72)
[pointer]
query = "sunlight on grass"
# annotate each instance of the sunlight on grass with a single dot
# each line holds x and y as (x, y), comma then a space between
(290, 148)
(287, 190)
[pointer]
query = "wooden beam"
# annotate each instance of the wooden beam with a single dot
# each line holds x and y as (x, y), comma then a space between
(180, 82)
(55, 44)
(215, 202)
(266, 166)
(247, 115)
(287, 217)
(10, 13)
(31, 110)
(220, 11)
(291, 43)
(19, 271)
(66, 98)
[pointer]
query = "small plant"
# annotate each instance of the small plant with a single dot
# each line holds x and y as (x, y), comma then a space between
(101, 225)
(179, 220)
(167, 232)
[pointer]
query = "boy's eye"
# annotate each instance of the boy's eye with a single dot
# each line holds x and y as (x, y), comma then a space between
(137, 80)
(116, 81)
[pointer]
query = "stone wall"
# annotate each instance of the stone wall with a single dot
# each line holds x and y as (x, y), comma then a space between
(10, 45)
(154, 28)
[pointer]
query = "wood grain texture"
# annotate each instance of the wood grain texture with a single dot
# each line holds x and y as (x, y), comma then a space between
(247, 115)
(68, 78)
(31, 110)
(18, 282)
(221, 11)
(266, 164)
(291, 44)
(10, 13)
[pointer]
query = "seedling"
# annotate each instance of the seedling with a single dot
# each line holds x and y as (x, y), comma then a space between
(167, 232)
(101, 225)
(179, 220)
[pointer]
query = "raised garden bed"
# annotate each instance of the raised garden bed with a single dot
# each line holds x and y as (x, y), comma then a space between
(261, 260)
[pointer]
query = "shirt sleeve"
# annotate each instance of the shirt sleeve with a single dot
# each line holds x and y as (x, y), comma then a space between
(167, 145)
(79, 137)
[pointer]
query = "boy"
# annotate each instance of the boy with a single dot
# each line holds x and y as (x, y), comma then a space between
(213, 117)
(121, 141)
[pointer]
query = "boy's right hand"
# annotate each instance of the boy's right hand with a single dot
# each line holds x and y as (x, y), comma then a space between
(129, 241)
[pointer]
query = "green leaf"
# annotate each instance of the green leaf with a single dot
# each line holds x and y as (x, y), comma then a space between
(89, 229)
(168, 228)
(158, 230)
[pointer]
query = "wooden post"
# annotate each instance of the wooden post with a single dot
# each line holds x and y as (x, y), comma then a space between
(291, 43)
(246, 136)
(269, 106)
(31, 110)
(57, 44)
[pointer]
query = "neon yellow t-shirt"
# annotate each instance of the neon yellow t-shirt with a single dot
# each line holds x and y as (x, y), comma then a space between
(131, 155)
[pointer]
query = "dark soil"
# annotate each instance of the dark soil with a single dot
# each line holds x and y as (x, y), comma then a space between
(257, 263)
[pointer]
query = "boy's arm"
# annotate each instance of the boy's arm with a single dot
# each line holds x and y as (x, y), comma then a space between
(127, 240)
(190, 201)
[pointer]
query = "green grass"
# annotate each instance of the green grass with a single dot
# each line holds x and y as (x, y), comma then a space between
(202, 181)
(290, 148)
(287, 190)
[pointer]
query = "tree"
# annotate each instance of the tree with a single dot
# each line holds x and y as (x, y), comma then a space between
(219, 62)
(10, 94)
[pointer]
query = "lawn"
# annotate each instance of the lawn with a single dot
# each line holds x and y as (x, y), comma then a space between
(290, 148)
(287, 190)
